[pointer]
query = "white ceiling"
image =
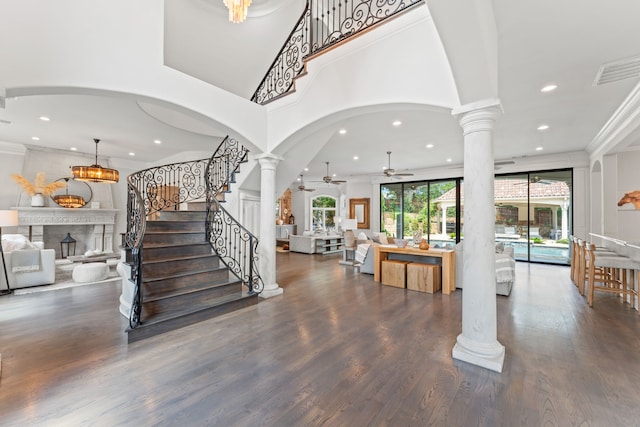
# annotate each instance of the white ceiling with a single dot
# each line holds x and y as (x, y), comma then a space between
(539, 42)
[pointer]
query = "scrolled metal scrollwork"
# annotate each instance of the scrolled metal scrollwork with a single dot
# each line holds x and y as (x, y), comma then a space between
(323, 24)
(233, 243)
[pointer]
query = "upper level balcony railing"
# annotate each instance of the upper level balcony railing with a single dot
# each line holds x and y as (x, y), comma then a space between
(323, 24)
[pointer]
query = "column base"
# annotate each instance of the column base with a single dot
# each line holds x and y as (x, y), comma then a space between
(489, 356)
(272, 292)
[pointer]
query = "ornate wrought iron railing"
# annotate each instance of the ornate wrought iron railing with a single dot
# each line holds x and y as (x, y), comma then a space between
(323, 24)
(234, 244)
(166, 187)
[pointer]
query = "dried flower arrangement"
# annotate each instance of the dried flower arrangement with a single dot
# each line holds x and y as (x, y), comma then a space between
(39, 186)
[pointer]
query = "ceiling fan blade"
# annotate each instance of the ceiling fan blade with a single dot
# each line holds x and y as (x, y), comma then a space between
(403, 174)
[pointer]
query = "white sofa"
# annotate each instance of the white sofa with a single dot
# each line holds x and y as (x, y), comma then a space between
(505, 268)
(44, 275)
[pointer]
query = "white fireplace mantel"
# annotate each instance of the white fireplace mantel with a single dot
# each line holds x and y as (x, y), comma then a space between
(65, 216)
(99, 237)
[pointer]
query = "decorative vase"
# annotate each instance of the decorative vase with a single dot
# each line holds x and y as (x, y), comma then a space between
(424, 245)
(417, 237)
(37, 200)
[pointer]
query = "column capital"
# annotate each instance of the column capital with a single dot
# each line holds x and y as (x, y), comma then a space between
(268, 160)
(478, 116)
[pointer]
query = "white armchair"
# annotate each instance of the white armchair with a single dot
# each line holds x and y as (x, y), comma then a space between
(45, 274)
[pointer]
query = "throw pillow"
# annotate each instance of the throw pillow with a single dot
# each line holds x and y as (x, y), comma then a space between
(499, 248)
(375, 238)
(15, 242)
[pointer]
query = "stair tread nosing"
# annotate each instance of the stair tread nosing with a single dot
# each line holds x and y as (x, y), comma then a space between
(172, 245)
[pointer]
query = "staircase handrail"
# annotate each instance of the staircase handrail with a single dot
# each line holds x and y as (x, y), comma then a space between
(297, 48)
(236, 246)
(306, 40)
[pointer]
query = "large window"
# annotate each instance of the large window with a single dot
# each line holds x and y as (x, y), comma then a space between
(532, 213)
(426, 207)
(323, 212)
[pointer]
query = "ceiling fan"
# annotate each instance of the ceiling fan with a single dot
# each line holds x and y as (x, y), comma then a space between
(328, 179)
(302, 187)
(391, 173)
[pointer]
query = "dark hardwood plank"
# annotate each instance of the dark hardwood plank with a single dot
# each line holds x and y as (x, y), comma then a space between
(336, 349)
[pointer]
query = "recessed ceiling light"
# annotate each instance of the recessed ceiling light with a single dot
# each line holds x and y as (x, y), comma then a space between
(157, 141)
(132, 154)
(549, 88)
(342, 131)
(306, 169)
(539, 148)
(397, 123)
(543, 127)
(355, 157)
(429, 145)
(44, 118)
(35, 138)
(384, 168)
(334, 174)
(73, 149)
(449, 160)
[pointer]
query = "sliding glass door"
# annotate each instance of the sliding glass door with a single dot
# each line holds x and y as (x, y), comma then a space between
(533, 213)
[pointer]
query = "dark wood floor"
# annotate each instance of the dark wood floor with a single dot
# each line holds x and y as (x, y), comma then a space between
(336, 349)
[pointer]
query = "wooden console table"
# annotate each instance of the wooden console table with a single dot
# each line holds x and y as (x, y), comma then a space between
(448, 262)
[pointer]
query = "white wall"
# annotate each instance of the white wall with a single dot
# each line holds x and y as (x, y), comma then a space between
(621, 176)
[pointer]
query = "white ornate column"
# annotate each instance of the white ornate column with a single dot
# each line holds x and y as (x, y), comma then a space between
(267, 249)
(478, 343)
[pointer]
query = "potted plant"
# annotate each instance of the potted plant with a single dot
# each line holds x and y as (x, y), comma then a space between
(39, 188)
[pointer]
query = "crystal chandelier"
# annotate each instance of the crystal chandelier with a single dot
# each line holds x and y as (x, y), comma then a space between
(237, 10)
(95, 172)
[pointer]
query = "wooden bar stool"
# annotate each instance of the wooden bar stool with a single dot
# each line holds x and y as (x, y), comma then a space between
(582, 273)
(611, 271)
(574, 260)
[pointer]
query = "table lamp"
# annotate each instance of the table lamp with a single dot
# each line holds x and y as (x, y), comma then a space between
(8, 218)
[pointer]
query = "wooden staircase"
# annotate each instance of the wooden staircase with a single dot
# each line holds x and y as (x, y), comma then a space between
(183, 280)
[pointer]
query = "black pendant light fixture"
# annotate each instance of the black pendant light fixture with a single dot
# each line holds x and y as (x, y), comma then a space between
(95, 172)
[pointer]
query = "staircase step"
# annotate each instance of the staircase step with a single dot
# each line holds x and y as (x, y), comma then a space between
(182, 299)
(173, 238)
(169, 285)
(175, 225)
(155, 251)
(197, 206)
(164, 267)
(195, 314)
(187, 215)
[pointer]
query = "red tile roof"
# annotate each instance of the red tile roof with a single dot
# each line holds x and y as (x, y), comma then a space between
(516, 189)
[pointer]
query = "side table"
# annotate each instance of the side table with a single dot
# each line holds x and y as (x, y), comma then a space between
(349, 257)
